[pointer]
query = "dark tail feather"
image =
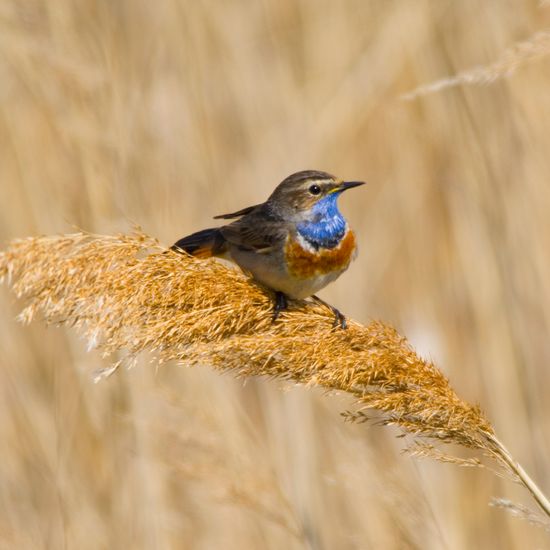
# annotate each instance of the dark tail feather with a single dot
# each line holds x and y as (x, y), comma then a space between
(202, 244)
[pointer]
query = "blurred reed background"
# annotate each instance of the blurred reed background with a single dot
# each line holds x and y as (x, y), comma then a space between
(168, 113)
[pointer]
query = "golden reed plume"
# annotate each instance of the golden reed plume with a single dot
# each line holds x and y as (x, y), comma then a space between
(128, 294)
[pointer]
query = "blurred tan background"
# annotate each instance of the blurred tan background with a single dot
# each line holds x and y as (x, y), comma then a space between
(166, 113)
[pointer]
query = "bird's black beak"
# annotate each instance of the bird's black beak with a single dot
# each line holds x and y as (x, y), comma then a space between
(345, 185)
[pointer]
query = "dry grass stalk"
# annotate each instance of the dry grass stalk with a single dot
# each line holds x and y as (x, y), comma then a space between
(127, 293)
(521, 512)
(247, 487)
(536, 47)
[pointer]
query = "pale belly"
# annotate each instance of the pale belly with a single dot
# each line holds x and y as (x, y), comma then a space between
(302, 288)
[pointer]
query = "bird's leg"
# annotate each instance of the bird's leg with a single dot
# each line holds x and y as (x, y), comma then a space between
(339, 318)
(281, 303)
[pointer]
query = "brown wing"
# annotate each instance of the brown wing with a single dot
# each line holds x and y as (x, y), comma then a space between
(255, 232)
(237, 214)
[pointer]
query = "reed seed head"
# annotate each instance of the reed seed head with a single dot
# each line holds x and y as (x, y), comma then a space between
(128, 294)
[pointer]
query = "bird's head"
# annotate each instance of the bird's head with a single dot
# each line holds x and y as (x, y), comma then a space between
(308, 193)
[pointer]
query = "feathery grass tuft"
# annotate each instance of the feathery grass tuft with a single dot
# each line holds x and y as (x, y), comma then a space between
(536, 47)
(129, 294)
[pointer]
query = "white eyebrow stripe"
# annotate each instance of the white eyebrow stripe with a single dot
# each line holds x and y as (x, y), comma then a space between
(321, 181)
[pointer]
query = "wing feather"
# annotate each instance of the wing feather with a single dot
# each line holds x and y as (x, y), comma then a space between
(256, 233)
(237, 214)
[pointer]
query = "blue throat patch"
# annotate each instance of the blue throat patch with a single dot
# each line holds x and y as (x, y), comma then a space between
(327, 226)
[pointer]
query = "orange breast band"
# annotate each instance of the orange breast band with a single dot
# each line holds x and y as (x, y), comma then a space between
(304, 264)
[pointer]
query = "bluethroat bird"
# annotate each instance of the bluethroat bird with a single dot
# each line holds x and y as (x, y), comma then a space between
(295, 243)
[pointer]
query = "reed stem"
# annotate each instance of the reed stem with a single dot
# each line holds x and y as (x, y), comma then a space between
(524, 478)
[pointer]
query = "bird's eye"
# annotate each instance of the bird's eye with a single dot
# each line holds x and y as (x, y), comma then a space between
(314, 189)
